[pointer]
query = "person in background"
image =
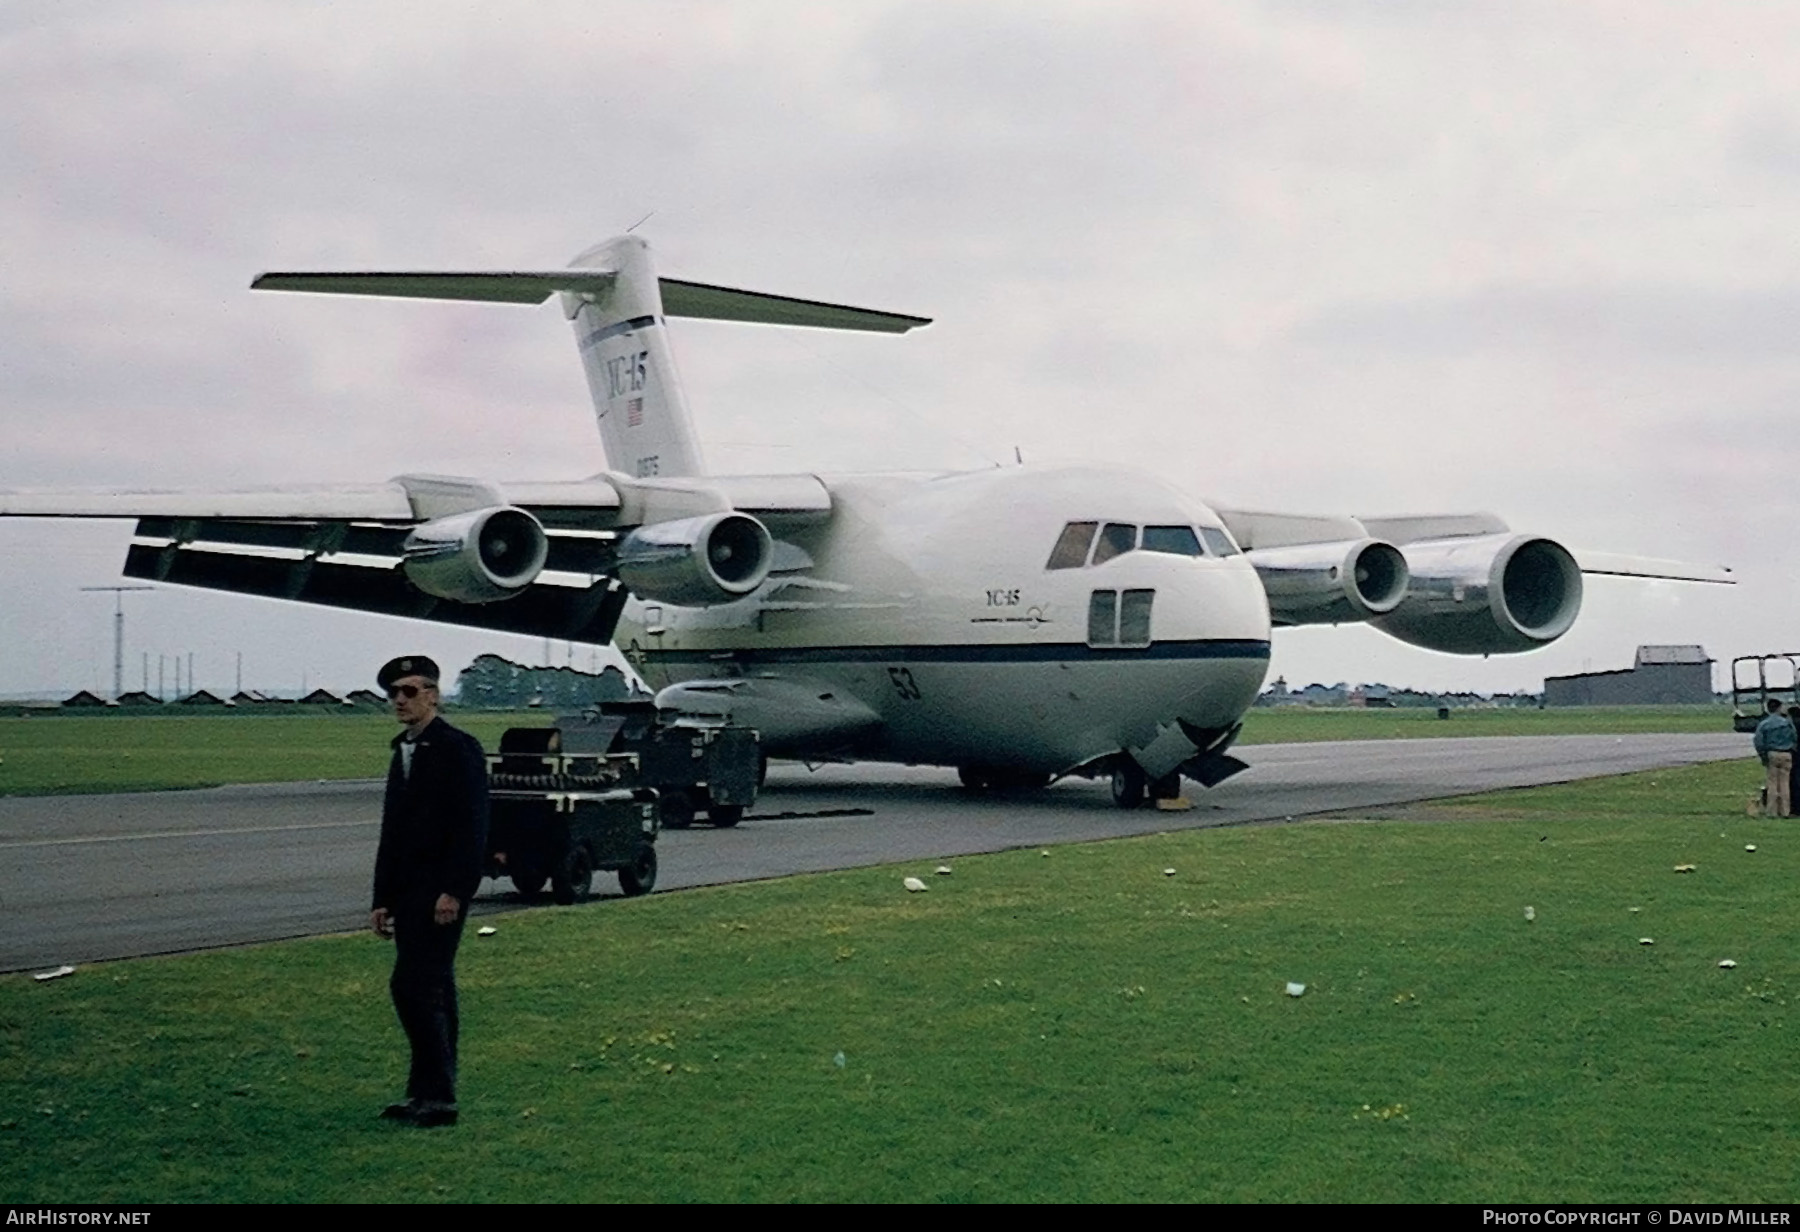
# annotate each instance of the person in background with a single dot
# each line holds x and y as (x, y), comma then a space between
(1774, 743)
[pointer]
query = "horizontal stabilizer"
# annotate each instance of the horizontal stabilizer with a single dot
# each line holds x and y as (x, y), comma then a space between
(1611, 564)
(680, 299)
(697, 299)
(501, 286)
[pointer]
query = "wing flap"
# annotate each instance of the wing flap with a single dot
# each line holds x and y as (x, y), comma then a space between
(584, 614)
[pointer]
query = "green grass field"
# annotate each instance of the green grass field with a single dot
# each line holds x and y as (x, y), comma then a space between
(1071, 1026)
(59, 754)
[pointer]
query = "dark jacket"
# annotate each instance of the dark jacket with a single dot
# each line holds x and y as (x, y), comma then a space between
(434, 821)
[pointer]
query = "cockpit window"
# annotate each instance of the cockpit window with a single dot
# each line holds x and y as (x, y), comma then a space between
(1116, 539)
(1071, 548)
(1218, 542)
(1175, 540)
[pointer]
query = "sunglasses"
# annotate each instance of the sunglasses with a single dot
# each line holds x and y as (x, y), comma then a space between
(408, 691)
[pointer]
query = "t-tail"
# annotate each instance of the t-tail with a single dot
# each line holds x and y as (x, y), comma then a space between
(618, 306)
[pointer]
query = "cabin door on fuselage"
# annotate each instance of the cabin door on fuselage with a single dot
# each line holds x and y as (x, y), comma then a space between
(1120, 618)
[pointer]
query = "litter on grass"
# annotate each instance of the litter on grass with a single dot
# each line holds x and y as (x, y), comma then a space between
(486, 930)
(914, 885)
(1530, 914)
(57, 974)
(1686, 868)
(1749, 846)
(1168, 872)
(1646, 940)
(1728, 963)
(942, 870)
(1295, 990)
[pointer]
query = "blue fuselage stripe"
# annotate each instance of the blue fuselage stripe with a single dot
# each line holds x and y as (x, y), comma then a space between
(1054, 652)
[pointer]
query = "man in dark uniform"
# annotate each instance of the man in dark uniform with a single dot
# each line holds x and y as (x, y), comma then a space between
(433, 836)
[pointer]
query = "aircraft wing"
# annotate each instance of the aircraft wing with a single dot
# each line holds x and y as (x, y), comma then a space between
(1264, 530)
(342, 545)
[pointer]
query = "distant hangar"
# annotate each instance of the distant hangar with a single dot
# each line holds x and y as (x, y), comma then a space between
(1661, 676)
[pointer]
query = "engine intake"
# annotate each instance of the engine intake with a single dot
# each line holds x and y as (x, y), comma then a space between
(696, 562)
(478, 557)
(1330, 583)
(1486, 594)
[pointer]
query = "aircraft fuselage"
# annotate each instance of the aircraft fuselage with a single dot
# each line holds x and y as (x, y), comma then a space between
(930, 627)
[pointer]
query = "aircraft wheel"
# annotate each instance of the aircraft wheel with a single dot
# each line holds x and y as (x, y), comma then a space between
(725, 816)
(639, 877)
(677, 810)
(974, 778)
(1168, 787)
(527, 878)
(1127, 784)
(573, 879)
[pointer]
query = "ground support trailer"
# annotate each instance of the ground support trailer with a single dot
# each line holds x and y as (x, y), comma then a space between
(560, 814)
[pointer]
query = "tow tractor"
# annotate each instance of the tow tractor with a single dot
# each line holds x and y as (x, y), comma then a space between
(696, 763)
(1757, 678)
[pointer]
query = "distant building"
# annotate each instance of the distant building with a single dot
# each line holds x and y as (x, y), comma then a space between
(200, 697)
(366, 697)
(137, 697)
(1661, 676)
(85, 698)
(321, 697)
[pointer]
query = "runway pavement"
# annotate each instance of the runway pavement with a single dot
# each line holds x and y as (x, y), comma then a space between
(84, 878)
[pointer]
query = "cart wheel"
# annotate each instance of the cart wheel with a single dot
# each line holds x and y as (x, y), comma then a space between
(677, 809)
(725, 816)
(639, 877)
(570, 883)
(1127, 784)
(528, 879)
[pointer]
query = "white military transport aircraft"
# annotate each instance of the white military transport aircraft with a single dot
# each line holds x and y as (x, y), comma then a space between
(1017, 623)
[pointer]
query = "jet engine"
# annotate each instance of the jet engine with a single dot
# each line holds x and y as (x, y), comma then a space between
(1486, 594)
(1330, 583)
(696, 562)
(477, 557)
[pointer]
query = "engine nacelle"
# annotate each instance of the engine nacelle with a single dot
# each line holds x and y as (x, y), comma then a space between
(696, 562)
(478, 557)
(1330, 583)
(1486, 594)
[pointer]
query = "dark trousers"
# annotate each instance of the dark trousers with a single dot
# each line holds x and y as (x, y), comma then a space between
(424, 988)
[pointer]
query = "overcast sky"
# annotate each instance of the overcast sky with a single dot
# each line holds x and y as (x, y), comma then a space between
(1538, 259)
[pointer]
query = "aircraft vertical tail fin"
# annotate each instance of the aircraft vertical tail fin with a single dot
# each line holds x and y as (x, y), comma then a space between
(624, 341)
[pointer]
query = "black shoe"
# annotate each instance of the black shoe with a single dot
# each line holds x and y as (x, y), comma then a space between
(400, 1112)
(431, 1116)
